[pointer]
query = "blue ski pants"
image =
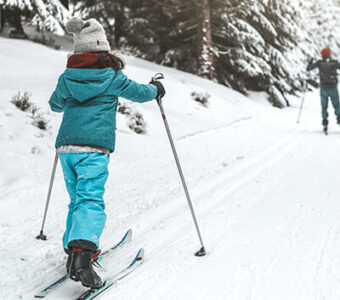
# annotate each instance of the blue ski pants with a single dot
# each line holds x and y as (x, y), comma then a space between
(85, 176)
(325, 94)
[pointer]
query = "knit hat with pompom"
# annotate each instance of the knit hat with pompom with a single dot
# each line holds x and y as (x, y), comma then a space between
(89, 35)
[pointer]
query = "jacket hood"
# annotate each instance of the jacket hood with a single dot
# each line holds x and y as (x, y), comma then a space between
(84, 84)
(83, 77)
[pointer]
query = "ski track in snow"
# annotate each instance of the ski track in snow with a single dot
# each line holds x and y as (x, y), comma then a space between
(264, 189)
(216, 128)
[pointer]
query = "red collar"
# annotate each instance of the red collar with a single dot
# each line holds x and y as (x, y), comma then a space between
(84, 61)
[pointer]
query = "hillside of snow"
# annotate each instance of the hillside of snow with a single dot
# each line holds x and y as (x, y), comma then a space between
(265, 191)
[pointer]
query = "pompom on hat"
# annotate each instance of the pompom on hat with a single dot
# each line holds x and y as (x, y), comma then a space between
(89, 35)
(325, 52)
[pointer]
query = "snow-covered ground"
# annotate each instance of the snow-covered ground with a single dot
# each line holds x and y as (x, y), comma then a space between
(266, 192)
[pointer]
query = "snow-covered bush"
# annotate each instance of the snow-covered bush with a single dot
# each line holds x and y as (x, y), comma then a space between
(124, 109)
(276, 98)
(200, 97)
(136, 121)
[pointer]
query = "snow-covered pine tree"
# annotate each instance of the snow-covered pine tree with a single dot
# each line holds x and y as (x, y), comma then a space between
(121, 20)
(143, 28)
(186, 36)
(285, 56)
(180, 45)
(260, 45)
(321, 28)
(45, 14)
(173, 32)
(324, 24)
(254, 42)
(103, 10)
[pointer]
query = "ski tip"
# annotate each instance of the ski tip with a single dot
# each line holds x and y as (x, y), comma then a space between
(39, 296)
(140, 255)
(138, 258)
(128, 235)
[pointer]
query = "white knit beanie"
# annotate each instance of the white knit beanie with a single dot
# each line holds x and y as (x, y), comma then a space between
(89, 35)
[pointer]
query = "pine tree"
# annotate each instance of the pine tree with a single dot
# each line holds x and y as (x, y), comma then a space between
(45, 14)
(164, 31)
(255, 44)
(111, 14)
(181, 47)
(324, 23)
(260, 45)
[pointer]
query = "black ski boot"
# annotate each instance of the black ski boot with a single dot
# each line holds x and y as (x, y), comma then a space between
(338, 119)
(325, 126)
(81, 268)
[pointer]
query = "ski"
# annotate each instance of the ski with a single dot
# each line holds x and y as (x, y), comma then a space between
(44, 292)
(111, 280)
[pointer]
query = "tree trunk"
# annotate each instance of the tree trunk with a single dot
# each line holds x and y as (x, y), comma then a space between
(204, 40)
(65, 3)
(13, 17)
(119, 22)
(2, 20)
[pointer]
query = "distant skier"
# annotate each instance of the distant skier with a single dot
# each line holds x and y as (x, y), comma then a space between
(87, 92)
(328, 84)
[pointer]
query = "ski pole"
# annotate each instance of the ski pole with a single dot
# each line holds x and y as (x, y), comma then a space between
(41, 236)
(303, 99)
(200, 252)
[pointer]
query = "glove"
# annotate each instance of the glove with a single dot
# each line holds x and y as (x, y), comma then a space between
(311, 59)
(160, 88)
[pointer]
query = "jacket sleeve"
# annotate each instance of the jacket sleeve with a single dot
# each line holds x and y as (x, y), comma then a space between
(311, 66)
(57, 100)
(121, 86)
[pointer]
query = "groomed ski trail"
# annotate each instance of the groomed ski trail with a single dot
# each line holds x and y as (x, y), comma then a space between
(264, 219)
(265, 191)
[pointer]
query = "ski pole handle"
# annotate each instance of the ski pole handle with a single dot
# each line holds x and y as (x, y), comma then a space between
(156, 77)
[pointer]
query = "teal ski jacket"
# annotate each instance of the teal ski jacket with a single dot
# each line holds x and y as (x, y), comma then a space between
(88, 97)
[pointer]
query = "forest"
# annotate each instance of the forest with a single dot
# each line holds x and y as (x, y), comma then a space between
(248, 45)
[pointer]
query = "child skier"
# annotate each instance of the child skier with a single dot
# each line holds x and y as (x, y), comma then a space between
(328, 84)
(87, 93)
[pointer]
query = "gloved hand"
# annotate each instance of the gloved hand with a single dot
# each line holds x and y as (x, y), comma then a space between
(310, 60)
(160, 88)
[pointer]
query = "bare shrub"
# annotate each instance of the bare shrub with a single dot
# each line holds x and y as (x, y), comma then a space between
(22, 102)
(136, 121)
(200, 97)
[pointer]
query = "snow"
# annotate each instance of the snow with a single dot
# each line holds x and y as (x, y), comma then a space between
(265, 191)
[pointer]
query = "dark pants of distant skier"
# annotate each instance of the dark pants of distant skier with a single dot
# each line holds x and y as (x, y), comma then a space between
(327, 93)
